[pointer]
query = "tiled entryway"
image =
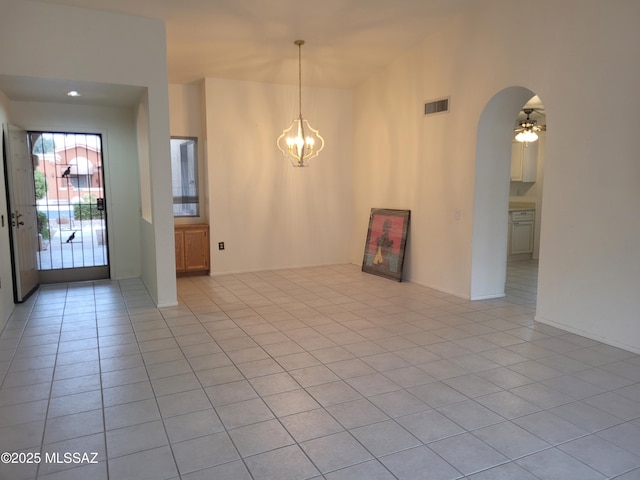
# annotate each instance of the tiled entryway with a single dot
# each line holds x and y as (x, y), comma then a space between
(310, 373)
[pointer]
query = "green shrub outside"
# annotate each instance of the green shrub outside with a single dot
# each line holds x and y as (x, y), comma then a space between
(87, 208)
(43, 225)
(40, 184)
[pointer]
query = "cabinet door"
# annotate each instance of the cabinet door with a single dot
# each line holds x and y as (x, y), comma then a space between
(524, 161)
(521, 237)
(179, 239)
(516, 161)
(529, 162)
(196, 249)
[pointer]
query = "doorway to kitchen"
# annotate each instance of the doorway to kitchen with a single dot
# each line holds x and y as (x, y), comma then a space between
(71, 207)
(525, 200)
(492, 192)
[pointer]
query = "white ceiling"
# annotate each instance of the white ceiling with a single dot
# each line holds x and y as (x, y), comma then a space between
(32, 89)
(346, 40)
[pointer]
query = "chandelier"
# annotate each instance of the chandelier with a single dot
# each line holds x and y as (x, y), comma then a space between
(527, 128)
(300, 142)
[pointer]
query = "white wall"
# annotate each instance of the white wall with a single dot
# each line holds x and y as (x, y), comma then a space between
(269, 214)
(59, 42)
(6, 282)
(186, 106)
(584, 66)
(405, 160)
(590, 261)
(159, 263)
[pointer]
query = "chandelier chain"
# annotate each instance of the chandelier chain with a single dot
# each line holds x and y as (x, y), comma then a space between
(300, 43)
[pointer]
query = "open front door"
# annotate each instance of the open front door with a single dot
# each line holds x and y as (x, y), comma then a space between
(72, 214)
(21, 200)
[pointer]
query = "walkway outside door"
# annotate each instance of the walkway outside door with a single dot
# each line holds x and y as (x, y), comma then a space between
(69, 192)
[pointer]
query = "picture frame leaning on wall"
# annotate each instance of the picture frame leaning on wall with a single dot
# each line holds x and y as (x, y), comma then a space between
(386, 242)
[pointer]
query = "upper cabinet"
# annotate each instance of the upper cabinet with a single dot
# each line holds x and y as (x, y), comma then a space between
(524, 159)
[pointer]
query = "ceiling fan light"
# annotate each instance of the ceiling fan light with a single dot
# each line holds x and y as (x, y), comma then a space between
(528, 128)
(527, 136)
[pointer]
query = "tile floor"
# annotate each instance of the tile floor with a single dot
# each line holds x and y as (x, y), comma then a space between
(313, 373)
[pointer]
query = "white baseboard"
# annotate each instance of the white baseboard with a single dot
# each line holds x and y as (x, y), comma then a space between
(592, 336)
(488, 297)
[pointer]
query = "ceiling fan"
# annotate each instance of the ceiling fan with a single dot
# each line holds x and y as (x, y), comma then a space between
(527, 129)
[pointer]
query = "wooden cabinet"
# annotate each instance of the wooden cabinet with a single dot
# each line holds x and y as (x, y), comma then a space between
(524, 161)
(192, 248)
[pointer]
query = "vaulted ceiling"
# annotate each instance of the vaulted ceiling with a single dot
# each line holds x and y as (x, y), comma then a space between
(346, 40)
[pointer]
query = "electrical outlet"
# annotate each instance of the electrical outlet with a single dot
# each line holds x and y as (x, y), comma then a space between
(220, 245)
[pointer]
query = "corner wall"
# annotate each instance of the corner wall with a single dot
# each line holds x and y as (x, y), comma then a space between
(589, 260)
(270, 214)
(186, 105)
(105, 48)
(121, 176)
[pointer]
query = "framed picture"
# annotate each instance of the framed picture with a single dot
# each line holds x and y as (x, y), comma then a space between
(386, 241)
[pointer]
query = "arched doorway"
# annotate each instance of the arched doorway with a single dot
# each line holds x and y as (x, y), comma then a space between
(491, 192)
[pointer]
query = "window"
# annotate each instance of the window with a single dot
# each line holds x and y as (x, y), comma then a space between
(80, 181)
(184, 173)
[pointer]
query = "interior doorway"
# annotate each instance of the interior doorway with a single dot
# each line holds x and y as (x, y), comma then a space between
(71, 207)
(491, 192)
(525, 200)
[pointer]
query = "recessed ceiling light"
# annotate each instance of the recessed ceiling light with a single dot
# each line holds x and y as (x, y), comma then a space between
(73, 93)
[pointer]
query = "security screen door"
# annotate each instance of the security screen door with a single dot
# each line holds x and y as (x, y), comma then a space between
(69, 191)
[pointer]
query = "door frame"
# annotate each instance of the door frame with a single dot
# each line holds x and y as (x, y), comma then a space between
(89, 273)
(491, 192)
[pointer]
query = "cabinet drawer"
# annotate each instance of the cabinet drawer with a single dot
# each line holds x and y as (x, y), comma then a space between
(523, 215)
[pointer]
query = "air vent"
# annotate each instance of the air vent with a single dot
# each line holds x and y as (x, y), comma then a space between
(436, 106)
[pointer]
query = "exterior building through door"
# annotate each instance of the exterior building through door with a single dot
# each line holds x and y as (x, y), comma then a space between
(72, 227)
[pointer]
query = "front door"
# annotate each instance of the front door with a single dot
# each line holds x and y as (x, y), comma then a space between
(69, 178)
(21, 200)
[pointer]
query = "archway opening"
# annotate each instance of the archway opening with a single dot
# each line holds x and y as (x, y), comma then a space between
(492, 192)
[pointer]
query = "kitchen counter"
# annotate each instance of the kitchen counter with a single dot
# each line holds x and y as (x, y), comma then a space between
(514, 206)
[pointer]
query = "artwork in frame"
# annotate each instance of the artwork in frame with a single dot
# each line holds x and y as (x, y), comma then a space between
(386, 242)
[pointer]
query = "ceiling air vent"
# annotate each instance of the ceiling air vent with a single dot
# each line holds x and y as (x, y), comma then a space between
(436, 106)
